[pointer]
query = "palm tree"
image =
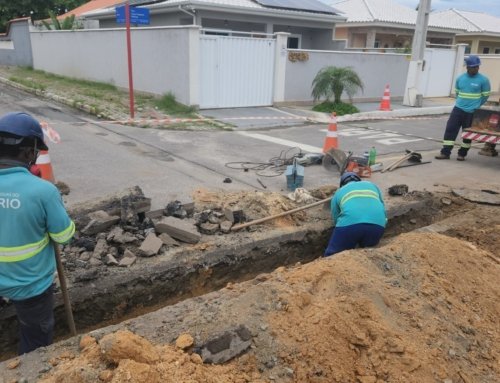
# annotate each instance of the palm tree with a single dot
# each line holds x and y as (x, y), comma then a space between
(333, 81)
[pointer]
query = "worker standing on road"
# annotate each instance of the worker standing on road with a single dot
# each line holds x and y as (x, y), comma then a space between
(358, 212)
(31, 215)
(473, 90)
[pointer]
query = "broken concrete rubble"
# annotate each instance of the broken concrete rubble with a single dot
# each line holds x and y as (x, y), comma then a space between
(226, 346)
(100, 221)
(234, 215)
(168, 240)
(151, 246)
(182, 230)
(128, 259)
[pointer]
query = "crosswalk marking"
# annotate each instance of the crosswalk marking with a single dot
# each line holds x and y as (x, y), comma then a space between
(281, 141)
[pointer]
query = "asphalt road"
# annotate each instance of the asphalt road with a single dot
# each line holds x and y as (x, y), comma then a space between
(96, 158)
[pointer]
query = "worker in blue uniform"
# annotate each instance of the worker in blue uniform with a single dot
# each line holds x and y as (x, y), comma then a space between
(358, 212)
(473, 90)
(32, 215)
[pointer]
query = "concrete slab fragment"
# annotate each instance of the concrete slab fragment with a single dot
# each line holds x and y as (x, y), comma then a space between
(487, 197)
(183, 230)
(150, 246)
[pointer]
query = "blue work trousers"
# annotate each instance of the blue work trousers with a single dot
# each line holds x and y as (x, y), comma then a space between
(458, 119)
(352, 236)
(36, 321)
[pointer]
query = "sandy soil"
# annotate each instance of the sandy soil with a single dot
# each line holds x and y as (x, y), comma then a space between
(425, 307)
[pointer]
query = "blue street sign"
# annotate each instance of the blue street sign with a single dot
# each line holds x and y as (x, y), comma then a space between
(137, 15)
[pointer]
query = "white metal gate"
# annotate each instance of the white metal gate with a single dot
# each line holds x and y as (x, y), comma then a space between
(236, 71)
(438, 72)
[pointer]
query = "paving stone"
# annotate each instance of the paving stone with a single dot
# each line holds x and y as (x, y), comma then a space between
(189, 207)
(154, 213)
(100, 221)
(109, 260)
(100, 248)
(128, 259)
(234, 215)
(151, 246)
(183, 230)
(209, 228)
(119, 236)
(225, 226)
(95, 261)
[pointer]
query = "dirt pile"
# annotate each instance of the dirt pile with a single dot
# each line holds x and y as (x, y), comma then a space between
(423, 308)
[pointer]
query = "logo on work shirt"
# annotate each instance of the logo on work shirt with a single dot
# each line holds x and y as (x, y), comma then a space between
(10, 201)
(474, 84)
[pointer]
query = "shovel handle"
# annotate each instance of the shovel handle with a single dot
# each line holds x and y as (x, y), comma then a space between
(265, 219)
(64, 290)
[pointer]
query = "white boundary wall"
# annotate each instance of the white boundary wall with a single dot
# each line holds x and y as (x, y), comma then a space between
(376, 70)
(165, 59)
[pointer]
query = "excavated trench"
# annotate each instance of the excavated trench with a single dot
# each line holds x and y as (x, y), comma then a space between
(165, 280)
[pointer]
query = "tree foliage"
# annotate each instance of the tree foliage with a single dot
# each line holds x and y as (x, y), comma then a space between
(36, 9)
(67, 24)
(332, 81)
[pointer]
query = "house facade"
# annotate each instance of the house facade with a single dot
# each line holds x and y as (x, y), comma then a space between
(311, 27)
(481, 32)
(386, 24)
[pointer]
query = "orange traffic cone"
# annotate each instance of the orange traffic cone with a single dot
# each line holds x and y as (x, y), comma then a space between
(45, 167)
(385, 104)
(331, 140)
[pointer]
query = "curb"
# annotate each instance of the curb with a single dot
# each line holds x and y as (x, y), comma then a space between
(382, 115)
(62, 100)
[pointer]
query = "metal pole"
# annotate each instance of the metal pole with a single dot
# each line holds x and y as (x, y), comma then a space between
(417, 54)
(129, 57)
(64, 290)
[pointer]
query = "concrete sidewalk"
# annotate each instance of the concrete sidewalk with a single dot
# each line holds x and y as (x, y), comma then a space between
(294, 115)
(370, 110)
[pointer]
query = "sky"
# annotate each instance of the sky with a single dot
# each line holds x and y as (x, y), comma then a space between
(487, 6)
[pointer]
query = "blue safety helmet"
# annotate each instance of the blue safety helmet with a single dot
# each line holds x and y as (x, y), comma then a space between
(472, 61)
(348, 177)
(18, 126)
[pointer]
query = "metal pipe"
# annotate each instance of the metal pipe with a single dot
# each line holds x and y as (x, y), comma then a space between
(189, 13)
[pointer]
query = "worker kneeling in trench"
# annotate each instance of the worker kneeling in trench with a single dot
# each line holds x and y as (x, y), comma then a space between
(358, 213)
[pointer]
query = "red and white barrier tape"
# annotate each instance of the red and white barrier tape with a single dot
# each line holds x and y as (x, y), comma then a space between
(482, 137)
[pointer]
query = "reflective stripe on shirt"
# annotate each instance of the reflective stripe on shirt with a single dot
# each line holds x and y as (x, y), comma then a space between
(20, 253)
(359, 194)
(65, 235)
(469, 96)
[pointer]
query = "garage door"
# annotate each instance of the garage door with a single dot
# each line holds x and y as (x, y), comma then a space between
(236, 71)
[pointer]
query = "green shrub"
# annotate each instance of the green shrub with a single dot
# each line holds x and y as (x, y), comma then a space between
(340, 108)
(167, 103)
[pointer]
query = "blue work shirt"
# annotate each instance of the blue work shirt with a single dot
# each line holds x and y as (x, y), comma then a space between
(31, 215)
(358, 202)
(472, 91)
